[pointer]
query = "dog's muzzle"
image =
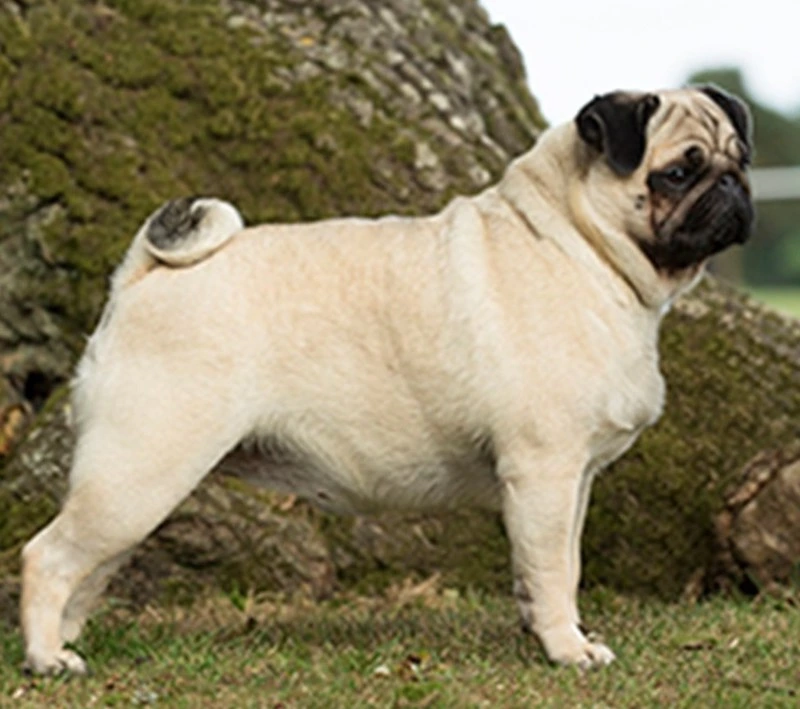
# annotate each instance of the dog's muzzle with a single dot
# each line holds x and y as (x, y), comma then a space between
(723, 215)
(729, 216)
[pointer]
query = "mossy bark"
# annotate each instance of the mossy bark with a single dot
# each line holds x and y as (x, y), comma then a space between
(733, 391)
(301, 111)
(290, 110)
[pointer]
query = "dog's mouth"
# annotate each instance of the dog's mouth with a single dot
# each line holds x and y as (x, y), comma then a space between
(721, 216)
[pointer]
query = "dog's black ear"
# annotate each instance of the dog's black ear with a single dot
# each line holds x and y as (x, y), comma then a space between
(735, 109)
(616, 125)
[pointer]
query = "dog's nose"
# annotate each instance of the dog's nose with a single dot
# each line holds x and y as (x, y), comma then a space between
(728, 181)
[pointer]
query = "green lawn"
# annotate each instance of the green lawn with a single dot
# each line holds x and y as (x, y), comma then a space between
(422, 647)
(787, 300)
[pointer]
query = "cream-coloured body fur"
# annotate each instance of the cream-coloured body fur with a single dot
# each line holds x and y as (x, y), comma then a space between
(375, 357)
(491, 354)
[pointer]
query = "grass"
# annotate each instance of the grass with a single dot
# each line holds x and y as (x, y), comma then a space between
(787, 300)
(421, 647)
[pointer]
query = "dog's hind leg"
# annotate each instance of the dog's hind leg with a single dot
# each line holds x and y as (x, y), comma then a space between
(134, 463)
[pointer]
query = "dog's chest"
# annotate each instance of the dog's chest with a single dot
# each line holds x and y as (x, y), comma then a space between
(634, 402)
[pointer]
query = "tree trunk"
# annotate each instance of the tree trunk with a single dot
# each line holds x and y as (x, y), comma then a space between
(301, 110)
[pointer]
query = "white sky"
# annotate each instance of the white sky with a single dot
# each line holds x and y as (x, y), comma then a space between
(574, 49)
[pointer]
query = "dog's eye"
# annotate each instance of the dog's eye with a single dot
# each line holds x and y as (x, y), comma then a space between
(672, 179)
(677, 174)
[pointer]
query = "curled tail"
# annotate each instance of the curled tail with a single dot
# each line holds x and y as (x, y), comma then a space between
(179, 233)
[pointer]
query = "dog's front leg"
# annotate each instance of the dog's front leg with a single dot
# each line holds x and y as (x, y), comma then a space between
(584, 488)
(542, 500)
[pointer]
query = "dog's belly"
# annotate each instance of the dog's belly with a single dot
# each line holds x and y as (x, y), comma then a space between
(340, 485)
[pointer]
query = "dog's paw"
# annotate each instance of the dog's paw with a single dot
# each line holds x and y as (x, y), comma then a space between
(568, 646)
(595, 655)
(64, 661)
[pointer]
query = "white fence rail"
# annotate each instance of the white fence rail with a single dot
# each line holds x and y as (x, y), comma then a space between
(776, 183)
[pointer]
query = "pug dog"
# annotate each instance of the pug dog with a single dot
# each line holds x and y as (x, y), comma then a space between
(499, 353)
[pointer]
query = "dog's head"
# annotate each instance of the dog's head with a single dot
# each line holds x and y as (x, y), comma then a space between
(669, 169)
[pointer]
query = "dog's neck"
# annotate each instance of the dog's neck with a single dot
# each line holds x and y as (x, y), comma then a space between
(548, 179)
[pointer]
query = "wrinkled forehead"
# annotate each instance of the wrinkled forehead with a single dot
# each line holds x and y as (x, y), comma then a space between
(688, 118)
